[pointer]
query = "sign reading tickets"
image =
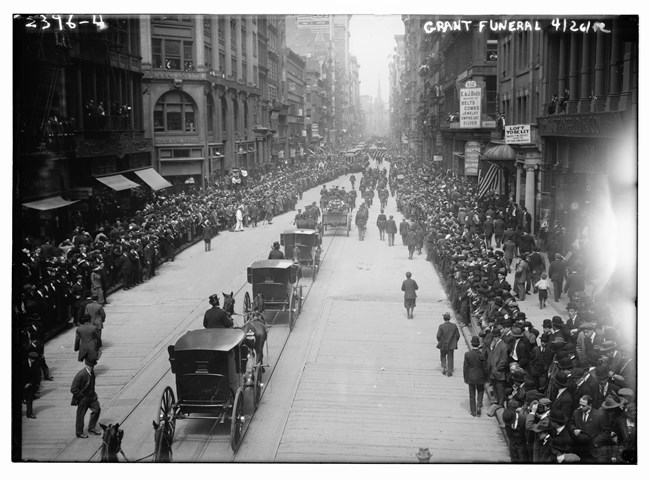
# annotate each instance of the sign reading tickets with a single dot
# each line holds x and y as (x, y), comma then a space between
(472, 149)
(517, 134)
(470, 106)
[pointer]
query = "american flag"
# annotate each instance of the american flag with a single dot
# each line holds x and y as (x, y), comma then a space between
(491, 181)
(377, 153)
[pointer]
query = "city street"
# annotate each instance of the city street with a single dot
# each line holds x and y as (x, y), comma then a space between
(356, 380)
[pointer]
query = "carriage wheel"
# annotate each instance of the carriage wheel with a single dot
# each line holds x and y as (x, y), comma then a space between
(166, 409)
(247, 302)
(237, 421)
(299, 301)
(257, 387)
(292, 316)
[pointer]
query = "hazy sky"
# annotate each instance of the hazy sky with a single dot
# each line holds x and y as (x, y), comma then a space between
(372, 40)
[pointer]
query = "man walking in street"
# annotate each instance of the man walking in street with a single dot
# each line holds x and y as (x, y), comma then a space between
(403, 230)
(447, 337)
(381, 224)
(85, 397)
(97, 315)
(391, 230)
(409, 286)
(474, 375)
(557, 273)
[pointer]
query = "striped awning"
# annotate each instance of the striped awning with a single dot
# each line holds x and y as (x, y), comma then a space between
(117, 182)
(49, 203)
(153, 179)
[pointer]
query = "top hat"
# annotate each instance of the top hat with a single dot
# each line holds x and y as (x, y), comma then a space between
(214, 299)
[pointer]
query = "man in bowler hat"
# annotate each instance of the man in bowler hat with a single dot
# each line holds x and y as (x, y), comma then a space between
(475, 375)
(447, 336)
(85, 397)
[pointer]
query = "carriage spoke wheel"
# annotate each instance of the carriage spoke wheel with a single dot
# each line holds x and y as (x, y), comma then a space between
(166, 409)
(237, 421)
(257, 387)
(292, 315)
(247, 302)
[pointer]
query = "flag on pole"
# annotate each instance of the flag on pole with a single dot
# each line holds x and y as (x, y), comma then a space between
(492, 181)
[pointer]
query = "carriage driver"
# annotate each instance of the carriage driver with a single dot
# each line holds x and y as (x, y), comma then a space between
(276, 253)
(215, 316)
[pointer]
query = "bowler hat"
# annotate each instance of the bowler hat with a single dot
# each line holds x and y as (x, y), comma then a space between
(518, 376)
(546, 323)
(508, 415)
(513, 403)
(558, 416)
(516, 332)
(561, 378)
(520, 315)
(565, 363)
(602, 373)
(572, 305)
(475, 341)
(557, 321)
(576, 372)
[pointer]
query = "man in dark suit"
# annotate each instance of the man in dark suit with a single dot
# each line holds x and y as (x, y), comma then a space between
(588, 428)
(519, 349)
(475, 375)
(557, 274)
(497, 368)
(404, 230)
(563, 401)
(515, 427)
(87, 340)
(447, 336)
(215, 317)
(391, 230)
(409, 286)
(97, 314)
(31, 374)
(85, 397)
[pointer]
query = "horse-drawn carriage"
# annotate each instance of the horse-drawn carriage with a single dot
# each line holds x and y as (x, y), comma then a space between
(213, 368)
(303, 247)
(336, 218)
(275, 288)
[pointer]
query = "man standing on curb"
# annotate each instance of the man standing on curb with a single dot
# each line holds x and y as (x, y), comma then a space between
(474, 375)
(85, 397)
(409, 286)
(447, 336)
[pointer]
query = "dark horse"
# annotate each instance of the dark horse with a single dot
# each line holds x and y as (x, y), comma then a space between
(163, 438)
(111, 442)
(229, 304)
(254, 325)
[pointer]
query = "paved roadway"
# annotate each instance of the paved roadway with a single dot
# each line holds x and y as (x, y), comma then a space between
(356, 381)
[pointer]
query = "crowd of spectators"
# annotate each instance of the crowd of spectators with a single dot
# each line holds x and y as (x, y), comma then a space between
(565, 390)
(54, 280)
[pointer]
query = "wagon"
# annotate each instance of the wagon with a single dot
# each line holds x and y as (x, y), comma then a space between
(213, 369)
(275, 288)
(336, 219)
(303, 247)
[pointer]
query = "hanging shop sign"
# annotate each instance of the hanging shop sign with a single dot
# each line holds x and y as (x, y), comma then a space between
(470, 106)
(472, 149)
(517, 134)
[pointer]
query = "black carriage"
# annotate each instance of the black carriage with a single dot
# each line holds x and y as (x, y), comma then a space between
(339, 218)
(303, 247)
(213, 369)
(275, 288)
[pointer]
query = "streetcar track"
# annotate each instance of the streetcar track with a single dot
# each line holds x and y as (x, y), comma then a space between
(200, 451)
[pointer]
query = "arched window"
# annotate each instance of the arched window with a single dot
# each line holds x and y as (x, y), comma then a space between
(174, 112)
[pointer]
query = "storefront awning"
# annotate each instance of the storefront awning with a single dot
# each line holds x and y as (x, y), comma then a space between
(153, 179)
(499, 152)
(49, 203)
(117, 182)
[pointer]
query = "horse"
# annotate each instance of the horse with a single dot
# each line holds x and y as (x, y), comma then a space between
(111, 442)
(255, 327)
(229, 304)
(163, 438)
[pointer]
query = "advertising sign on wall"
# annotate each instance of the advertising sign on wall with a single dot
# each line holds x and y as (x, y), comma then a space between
(472, 149)
(517, 134)
(470, 106)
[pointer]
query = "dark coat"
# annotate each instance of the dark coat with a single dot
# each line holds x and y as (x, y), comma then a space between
(391, 227)
(403, 228)
(475, 367)
(409, 286)
(216, 317)
(83, 386)
(87, 342)
(498, 362)
(564, 402)
(447, 336)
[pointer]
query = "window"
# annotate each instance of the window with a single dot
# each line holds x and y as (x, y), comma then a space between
(233, 66)
(207, 27)
(222, 61)
(233, 35)
(244, 71)
(254, 79)
(171, 54)
(243, 41)
(222, 31)
(254, 45)
(174, 112)
(210, 112)
(208, 56)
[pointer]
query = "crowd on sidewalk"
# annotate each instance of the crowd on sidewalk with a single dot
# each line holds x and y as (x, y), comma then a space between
(56, 283)
(566, 389)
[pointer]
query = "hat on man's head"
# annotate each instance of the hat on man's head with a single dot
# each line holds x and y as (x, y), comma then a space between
(518, 376)
(521, 315)
(607, 346)
(572, 305)
(602, 373)
(276, 245)
(546, 323)
(610, 403)
(558, 416)
(214, 299)
(565, 364)
(576, 372)
(545, 401)
(587, 326)
(475, 341)
(626, 392)
(446, 316)
(90, 361)
(561, 378)
(516, 332)
(509, 415)
(557, 321)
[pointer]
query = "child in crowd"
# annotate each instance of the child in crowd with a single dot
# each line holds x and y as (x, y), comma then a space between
(542, 289)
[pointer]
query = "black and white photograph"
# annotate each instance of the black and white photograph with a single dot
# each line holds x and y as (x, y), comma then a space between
(324, 238)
